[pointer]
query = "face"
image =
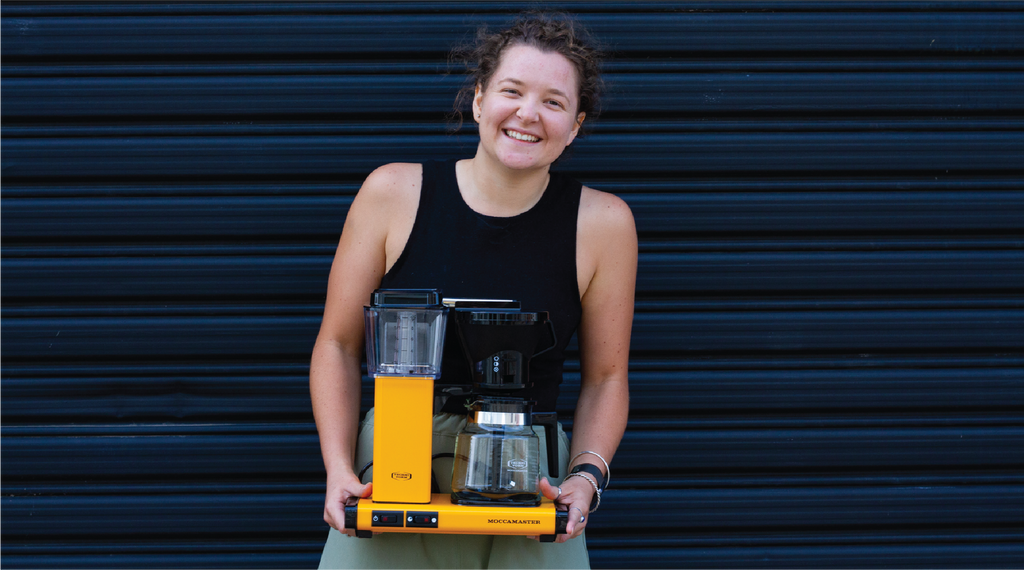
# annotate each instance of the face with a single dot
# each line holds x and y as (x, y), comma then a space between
(528, 111)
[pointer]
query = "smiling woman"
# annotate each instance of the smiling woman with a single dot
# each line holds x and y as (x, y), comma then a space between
(564, 248)
(528, 112)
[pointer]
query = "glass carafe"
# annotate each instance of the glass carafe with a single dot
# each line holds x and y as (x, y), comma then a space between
(497, 455)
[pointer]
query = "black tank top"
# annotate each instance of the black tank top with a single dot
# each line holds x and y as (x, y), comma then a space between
(530, 258)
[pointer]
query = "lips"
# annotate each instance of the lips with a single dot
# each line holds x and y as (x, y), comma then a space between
(520, 136)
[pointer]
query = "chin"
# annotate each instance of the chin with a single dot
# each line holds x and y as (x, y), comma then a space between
(519, 162)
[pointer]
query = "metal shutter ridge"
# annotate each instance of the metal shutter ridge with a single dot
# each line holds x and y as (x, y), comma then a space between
(827, 365)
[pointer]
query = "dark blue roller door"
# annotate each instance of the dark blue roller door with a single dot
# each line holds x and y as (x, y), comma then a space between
(828, 353)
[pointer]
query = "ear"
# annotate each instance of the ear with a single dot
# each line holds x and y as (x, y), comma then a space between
(478, 97)
(576, 129)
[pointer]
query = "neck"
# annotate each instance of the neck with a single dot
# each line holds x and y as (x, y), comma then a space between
(493, 189)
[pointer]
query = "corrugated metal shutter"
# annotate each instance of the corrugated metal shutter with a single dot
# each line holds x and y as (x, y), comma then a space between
(827, 367)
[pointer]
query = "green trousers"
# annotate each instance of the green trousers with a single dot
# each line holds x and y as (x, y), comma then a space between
(394, 550)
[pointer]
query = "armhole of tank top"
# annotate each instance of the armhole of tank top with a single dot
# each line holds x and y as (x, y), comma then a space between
(576, 249)
(415, 223)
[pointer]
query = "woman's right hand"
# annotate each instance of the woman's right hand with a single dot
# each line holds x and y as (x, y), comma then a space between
(339, 489)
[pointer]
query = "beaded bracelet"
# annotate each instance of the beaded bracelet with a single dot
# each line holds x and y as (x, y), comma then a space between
(607, 469)
(596, 501)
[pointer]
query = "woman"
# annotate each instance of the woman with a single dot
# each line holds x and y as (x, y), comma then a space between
(498, 225)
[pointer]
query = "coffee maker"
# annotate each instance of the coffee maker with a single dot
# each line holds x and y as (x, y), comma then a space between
(494, 481)
(497, 455)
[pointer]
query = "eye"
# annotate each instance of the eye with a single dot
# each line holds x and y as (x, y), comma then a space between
(556, 103)
(510, 90)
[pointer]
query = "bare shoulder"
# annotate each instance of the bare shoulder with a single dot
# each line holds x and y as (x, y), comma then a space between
(386, 205)
(606, 245)
(604, 216)
(389, 193)
(392, 182)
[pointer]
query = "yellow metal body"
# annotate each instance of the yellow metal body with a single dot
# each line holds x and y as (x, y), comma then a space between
(440, 516)
(402, 502)
(402, 431)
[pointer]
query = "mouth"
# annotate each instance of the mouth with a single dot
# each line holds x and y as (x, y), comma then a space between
(520, 136)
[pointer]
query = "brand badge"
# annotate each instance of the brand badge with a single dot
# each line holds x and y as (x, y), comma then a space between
(397, 475)
(517, 464)
(513, 521)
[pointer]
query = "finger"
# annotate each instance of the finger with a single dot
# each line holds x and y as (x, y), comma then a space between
(579, 527)
(547, 489)
(575, 525)
(332, 520)
(362, 492)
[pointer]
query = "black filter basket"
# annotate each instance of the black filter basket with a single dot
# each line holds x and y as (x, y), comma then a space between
(499, 346)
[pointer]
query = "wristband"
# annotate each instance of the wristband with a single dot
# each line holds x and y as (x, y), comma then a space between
(593, 470)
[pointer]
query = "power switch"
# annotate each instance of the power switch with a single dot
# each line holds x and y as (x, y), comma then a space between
(421, 519)
(386, 518)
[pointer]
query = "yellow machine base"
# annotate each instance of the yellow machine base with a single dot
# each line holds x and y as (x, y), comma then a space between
(440, 516)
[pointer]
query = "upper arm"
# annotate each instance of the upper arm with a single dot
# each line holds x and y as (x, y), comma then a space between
(361, 259)
(607, 258)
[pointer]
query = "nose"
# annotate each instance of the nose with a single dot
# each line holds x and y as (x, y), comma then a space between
(527, 111)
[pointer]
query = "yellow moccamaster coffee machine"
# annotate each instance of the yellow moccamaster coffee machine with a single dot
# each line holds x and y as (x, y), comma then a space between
(405, 335)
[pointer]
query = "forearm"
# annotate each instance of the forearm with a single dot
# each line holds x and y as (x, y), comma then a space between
(600, 420)
(335, 390)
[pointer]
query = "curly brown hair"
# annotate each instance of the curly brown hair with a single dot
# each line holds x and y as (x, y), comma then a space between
(548, 32)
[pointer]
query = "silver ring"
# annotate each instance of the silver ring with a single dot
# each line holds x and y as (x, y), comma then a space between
(559, 492)
(582, 518)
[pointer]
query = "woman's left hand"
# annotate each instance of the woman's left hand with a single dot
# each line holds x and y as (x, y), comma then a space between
(575, 497)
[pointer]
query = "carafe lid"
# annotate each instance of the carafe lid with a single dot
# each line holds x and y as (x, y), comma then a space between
(412, 298)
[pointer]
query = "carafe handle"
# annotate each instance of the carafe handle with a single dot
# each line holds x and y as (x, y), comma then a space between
(550, 422)
(554, 339)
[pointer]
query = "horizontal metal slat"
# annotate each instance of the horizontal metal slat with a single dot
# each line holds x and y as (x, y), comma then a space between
(291, 455)
(726, 213)
(618, 66)
(870, 152)
(128, 277)
(288, 95)
(765, 556)
(228, 96)
(124, 218)
(826, 211)
(845, 190)
(479, 6)
(710, 331)
(183, 558)
(623, 510)
(177, 397)
(826, 448)
(821, 272)
(653, 152)
(703, 32)
(706, 391)
(856, 331)
(120, 398)
(134, 390)
(964, 548)
(294, 455)
(306, 127)
(483, 6)
(178, 337)
(239, 277)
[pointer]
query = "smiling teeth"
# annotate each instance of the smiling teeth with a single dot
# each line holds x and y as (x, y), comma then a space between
(521, 136)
